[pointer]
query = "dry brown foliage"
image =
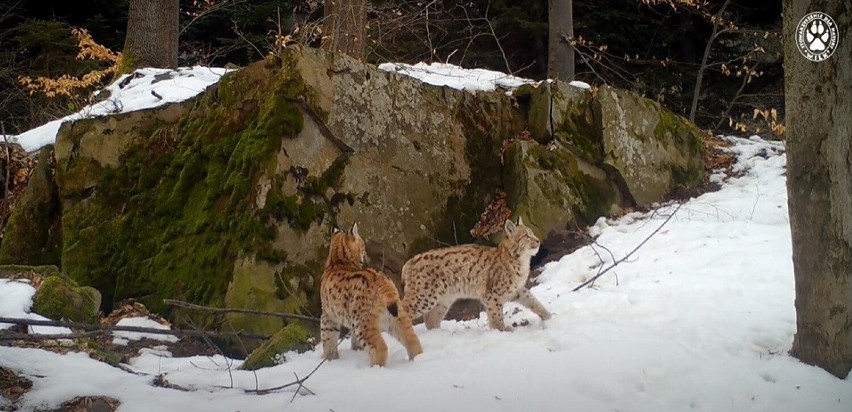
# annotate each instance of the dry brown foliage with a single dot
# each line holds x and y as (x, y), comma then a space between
(69, 85)
(491, 220)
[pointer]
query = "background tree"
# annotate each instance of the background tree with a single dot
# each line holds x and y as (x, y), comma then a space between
(152, 34)
(560, 56)
(819, 184)
(344, 29)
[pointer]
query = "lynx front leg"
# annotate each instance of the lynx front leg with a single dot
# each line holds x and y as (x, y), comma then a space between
(494, 309)
(527, 299)
(329, 333)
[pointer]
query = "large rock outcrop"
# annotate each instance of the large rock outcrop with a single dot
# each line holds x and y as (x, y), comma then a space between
(230, 198)
(33, 235)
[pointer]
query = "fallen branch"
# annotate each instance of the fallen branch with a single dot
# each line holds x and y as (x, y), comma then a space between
(299, 381)
(627, 256)
(54, 336)
(187, 305)
(106, 328)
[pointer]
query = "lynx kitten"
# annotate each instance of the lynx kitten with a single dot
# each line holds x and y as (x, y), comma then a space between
(435, 279)
(363, 300)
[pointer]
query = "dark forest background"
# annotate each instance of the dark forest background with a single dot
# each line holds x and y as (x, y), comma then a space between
(653, 49)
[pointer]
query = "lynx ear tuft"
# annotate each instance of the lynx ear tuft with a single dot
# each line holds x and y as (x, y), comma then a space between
(509, 227)
(354, 229)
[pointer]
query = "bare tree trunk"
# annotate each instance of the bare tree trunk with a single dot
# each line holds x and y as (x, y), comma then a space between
(560, 60)
(819, 184)
(152, 35)
(345, 27)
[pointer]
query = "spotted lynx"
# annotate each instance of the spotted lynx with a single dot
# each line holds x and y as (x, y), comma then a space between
(363, 300)
(495, 275)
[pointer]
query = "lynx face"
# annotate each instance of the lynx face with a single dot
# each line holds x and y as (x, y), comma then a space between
(522, 238)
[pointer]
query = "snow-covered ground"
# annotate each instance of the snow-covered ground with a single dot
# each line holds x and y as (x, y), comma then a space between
(700, 318)
(142, 89)
(122, 338)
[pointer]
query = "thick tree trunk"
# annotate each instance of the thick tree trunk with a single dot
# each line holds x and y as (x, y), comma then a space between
(819, 184)
(345, 27)
(152, 35)
(560, 60)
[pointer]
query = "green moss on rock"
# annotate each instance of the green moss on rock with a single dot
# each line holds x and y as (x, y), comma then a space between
(172, 217)
(61, 298)
(291, 337)
(33, 235)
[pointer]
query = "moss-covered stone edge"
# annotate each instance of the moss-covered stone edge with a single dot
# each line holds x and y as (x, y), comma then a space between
(171, 219)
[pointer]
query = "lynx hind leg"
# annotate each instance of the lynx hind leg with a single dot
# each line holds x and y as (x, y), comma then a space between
(494, 309)
(329, 334)
(433, 318)
(369, 334)
(418, 298)
(356, 344)
(402, 330)
(526, 298)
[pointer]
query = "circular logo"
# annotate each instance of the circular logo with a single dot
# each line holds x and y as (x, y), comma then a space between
(816, 36)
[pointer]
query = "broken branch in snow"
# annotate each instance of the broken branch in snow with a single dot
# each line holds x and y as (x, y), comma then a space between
(106, 328)
(298, 381)
(192, 306)
(627, 256)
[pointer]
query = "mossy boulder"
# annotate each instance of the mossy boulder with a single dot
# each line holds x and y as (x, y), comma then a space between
(551, 188)
(643, 147)
(652, 149)
(61, 298)
(33, 232)
(229, 199)
(562, 112)
(291, 337)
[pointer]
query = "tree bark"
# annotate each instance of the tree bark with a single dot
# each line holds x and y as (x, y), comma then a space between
(152, 35)
(819, 184)
(560, 60)
(345, 27)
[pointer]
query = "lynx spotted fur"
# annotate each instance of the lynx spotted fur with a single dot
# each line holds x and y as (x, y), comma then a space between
(362, 300)
(495, 275)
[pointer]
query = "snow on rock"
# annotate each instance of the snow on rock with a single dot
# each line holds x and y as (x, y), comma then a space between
(700, 318)
(456, 77)
(122, 337)
(582, 85)
(443, 74)
(16, 300)
(142, 89)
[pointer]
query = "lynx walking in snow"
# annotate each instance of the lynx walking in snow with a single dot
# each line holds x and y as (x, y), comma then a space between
(435, 279)
(363, 300)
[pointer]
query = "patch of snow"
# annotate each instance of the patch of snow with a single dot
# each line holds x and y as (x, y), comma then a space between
(122, 337)
(700, 318)
(142, 89)
(582, 85)
(443, 74)
(16, 301)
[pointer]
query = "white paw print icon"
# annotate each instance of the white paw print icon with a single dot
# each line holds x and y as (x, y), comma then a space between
(817, 36)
